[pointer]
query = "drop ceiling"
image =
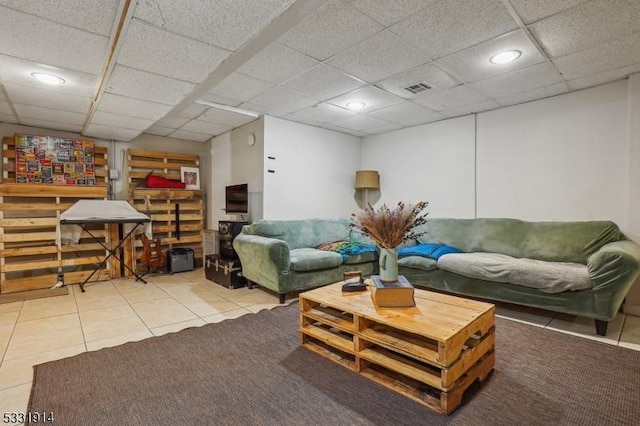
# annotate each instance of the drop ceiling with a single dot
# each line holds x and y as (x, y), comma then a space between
(170, 68)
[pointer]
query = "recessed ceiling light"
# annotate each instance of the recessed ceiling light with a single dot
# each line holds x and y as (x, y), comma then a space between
(505, 57)
(356, 105)
(47, 78)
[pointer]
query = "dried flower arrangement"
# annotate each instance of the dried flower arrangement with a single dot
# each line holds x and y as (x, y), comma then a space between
(389, 227)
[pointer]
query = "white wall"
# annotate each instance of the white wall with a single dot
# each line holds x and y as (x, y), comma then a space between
(432, 162)
(313, 171)
(561, 158)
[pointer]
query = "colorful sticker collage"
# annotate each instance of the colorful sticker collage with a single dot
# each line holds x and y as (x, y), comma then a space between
(59, 161)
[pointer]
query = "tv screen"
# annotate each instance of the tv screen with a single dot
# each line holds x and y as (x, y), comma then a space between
(237, 199)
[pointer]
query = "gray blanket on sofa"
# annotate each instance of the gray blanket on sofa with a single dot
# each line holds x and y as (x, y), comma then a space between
(550, 277)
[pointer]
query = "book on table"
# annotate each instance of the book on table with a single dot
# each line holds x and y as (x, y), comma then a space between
(398, 294)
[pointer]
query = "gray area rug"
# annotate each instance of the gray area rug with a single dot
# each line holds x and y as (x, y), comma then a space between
(252, 371)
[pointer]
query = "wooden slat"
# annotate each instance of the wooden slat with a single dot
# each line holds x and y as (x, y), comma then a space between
(163, 154)
(46, 190)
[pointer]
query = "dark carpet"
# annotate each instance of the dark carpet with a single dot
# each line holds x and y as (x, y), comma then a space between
(252, 371)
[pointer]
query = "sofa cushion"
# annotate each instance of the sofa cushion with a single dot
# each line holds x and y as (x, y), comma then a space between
(550, 277)
(302, 233)
(309, 259)
(418, 262)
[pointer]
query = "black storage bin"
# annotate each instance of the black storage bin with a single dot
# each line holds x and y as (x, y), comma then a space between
(180, 260)
(226, 272)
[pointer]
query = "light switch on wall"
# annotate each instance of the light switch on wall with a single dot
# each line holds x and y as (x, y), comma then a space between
(114, 174)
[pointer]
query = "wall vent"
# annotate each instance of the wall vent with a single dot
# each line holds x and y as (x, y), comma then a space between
(417, 88)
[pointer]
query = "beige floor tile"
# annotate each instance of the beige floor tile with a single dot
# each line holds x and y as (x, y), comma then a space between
(115, 327)
(262, 306)
(228, 292)
(227, 315)
(10, 307)
(106, 315)
(9, 318)
(48, 307)
(135, 292)
(20, 370)
(194, 293)
(585, 327)
(168, 279)
(28, 345)
(630, 336)
(15, 400)
(525, 314)
(257, 297)
(172, 328)
(156, 313)
(99, 301)
(44, 325)
(5, 335)
(212, 307)
(118, 340)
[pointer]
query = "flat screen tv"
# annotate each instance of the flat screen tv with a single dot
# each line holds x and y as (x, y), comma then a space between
(237, 199)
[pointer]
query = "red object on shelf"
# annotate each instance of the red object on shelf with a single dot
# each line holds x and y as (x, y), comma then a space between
(161, 182)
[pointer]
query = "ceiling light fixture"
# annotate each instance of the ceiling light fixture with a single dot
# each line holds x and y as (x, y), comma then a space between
(356, 105)
(505, 57)
(228, 108)
(47, 78)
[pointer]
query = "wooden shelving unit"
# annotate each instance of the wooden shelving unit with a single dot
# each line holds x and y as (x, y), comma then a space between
(29, 256)
(166, 164)
(431, 358)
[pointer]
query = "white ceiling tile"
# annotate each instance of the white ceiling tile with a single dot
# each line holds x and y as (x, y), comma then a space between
(407, 114)
(210, 97)
(280, 101)
(30, 111)
(120, 121)
(380, 56)
(373, 98)
(455, 97)
(111, 133)
(226, 118)
(43, 41)
(530, 95)
(323, 82)
(146, 86)
(604, 77)
(521, 80)
(159, 131)
(322, 113)
(3, 97)
(389, 127)
(608, 56)
(361, 122)
(389, 12)
(198, 126)
(29, 95)
(172, 122)
(473, 63)
(277, 63)
(192, 111)
(352, 132)
(241, 87)
(96, 16)
(224, 23)
(329, 30)
(132, 107)
(19, 71)
(586, 25)
(533, 10)
(8, 118)
(487, 105)
(53, 125)
(5, 108)
(152, 49)
(190, 136)
(448, 26)
(427, 73)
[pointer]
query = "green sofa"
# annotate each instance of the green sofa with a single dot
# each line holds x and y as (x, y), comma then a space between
(280, 256)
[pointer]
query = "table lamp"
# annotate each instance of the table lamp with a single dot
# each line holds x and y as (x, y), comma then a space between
(366, 180)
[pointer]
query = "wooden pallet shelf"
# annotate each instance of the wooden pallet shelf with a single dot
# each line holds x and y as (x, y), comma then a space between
(160, 204)
(166, 164)
(29, 256)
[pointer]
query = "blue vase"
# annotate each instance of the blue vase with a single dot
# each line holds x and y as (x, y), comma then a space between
(388, 265)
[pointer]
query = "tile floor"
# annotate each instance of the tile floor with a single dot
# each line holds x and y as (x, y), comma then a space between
(113, 312)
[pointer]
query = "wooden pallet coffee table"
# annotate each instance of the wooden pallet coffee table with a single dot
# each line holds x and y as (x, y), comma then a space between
(430, 353)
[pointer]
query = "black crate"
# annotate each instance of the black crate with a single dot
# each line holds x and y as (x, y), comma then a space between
(226, 272)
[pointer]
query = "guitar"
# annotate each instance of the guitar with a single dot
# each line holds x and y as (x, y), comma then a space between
(152, 256)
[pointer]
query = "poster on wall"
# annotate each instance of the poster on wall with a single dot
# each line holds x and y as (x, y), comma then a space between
(54, 160)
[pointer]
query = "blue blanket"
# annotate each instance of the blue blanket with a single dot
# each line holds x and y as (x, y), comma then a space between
(347, 248)
(433, 251)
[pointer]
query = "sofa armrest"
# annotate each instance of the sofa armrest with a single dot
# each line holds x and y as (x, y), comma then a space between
(270, 255)
(616, 265)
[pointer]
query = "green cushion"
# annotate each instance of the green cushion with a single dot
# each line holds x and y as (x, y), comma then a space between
(309, 259)
(418, 262)
(302, 233)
